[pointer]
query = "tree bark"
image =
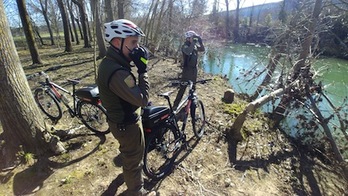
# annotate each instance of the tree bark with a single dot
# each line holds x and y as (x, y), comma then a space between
(72, 17)
(236, 24)
(80, 5)
(108, 10)
(22, 122)
(251, 107)
(44, 13)
(28, 31)
(68, 46)
(300, 67)
(99, 33)
(326, 128)
(120, 9)
(228, 34)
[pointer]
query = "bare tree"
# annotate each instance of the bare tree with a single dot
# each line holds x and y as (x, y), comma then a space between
(108, 11)
(80, 4)
(44, 11)
(236, 22)
(68, 46)
(21, 120)
(73, 20)
(120, 8)
(28, 31)
(227, 23)
(95, 5)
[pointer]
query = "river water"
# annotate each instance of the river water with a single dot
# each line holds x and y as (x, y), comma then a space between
(241, 64)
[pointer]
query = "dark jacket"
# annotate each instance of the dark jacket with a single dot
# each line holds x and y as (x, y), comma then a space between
(118, 89)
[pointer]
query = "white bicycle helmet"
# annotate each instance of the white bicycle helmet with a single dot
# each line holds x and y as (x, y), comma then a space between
(189, 34)
(121, 28)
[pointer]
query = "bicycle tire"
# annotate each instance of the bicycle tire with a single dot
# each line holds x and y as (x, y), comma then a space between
(160, 152)
(48, 104)
(93, 116)
(198, 118)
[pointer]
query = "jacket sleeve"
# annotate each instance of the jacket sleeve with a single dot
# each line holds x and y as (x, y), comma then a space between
(188, 49)
(123, 84)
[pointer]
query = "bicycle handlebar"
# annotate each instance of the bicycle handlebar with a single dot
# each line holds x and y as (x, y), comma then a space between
(189, 82)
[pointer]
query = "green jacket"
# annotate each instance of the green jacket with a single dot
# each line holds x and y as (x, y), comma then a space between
(118, 89)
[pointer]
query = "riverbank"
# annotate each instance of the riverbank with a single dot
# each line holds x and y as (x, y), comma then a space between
(266, 163)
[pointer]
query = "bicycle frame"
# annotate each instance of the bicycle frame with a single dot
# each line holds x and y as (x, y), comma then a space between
(186, 102)
(53, 88)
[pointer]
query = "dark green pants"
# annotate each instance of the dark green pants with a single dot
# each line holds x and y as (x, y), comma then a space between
(132, 144)
(188, 73)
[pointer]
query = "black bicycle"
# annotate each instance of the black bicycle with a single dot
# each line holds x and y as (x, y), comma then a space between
(163, 136)
(86, 103)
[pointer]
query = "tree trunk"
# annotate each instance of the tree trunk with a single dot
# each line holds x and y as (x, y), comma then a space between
(146, 30)
(80, 5)
(300, 66)
(108, 10)
(44, 13)
(68, 46)
(306, 45)
(120, 9)
(72, 17)
(28, 31)
(323, 123)
(251, 107)
(21, 120)
(152, 21)
(236, 24)
(228, 34)
(99, 33)
(155, 39)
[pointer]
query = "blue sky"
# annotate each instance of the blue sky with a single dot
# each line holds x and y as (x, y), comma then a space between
(244, 3)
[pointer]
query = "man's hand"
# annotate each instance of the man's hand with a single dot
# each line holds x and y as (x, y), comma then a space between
(197, 39)
(139, 56)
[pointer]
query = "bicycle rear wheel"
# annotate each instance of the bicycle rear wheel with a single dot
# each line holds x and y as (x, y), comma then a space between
(198, 118)
(94, 117)
(48, 104)
(160, 152)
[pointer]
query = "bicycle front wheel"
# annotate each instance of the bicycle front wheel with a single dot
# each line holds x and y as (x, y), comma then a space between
(160, 151)
(48, 104)
(94, 117)
(198, 118)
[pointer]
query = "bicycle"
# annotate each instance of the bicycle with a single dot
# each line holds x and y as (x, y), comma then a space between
(86, 103)
(163, 136)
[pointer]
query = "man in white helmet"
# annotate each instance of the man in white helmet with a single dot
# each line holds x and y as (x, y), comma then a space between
(193, 44)
(123, 96)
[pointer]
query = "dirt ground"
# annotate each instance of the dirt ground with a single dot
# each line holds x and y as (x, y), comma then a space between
(266, 163)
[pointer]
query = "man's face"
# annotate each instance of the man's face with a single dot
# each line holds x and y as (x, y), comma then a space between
(129, 44)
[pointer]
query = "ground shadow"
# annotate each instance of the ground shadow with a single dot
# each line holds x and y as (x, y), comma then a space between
(114, 185)
(31, 179)
(302, 169)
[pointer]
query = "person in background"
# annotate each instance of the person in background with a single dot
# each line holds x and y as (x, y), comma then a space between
(193, 44)
(123, 97)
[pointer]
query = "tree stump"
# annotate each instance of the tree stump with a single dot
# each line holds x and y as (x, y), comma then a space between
(228, 96)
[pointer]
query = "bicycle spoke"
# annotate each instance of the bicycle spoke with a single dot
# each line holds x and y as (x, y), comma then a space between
(93, 117)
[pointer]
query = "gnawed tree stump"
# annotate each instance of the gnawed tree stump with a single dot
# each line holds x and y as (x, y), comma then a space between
(228, 96)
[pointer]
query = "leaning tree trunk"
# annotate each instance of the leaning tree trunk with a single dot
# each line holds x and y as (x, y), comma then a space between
(28, 31)
(22, 122)
(68, 46)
